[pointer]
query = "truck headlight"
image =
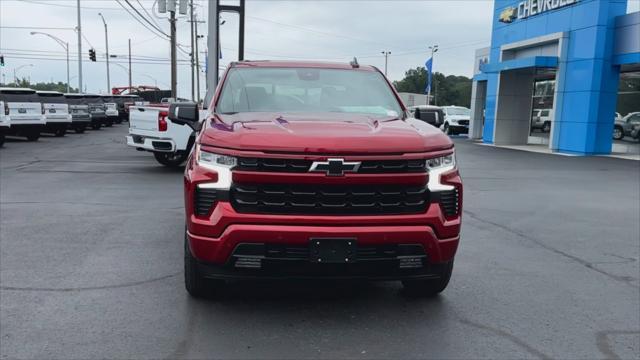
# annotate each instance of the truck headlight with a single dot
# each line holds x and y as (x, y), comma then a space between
(221, 164)
(438, 166)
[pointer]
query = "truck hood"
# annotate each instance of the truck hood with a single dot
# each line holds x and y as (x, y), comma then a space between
(322, 133)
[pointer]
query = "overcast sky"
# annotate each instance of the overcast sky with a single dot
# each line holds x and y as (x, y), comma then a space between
(324, 29)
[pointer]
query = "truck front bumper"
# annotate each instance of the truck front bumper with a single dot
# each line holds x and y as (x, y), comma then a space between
(283, 252)
(242, 245)
(151, 144)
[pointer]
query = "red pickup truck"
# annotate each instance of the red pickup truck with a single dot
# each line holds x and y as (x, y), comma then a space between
(317, 170)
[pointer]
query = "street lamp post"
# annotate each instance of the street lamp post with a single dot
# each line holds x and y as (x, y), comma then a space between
(152, 78)
(64, 45)
(106, 41)
(434, 49)
(386, 60)
(15, 72)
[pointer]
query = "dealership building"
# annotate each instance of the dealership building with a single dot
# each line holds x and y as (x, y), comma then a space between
(552, 74)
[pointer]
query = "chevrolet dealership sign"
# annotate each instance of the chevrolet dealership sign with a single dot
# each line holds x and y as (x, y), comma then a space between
(530, 8)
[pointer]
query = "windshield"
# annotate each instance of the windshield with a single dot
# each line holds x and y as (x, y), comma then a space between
(307, 90)
(458, 111)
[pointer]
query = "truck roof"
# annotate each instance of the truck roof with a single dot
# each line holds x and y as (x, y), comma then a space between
(300, 64)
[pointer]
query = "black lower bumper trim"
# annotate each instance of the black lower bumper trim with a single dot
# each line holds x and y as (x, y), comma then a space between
(304, 270)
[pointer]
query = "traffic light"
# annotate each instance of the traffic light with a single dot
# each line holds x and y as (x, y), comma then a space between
(92, 55)
(1, 60)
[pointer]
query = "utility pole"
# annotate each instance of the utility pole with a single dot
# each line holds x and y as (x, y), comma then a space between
(79, 50)
(106, 41)
(213, 42)
(129, 65)
(195, 24)
(434, 49)
(174, 67)
(386, 60)
(192, 54)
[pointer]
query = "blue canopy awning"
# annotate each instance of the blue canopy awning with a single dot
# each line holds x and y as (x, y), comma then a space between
(536, 61)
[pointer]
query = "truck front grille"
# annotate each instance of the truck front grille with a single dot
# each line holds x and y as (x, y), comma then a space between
(302, 166)
(314, 199)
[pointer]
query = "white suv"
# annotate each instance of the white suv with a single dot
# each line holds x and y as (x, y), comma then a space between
(56, 112)
(456, 120)
(23, 112)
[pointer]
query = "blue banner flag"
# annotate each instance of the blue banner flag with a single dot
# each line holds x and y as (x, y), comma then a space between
(429, 66)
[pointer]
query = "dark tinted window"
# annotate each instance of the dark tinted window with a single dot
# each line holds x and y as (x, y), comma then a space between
(74, 100)
(428, 116)
(634, 119)
(52, 98)
(92, 99)
(18, 96)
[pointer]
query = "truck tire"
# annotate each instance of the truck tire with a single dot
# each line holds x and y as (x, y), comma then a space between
(60, 132)
(197, 285)
(429, 287)
(96, 126)
(108, 123)
(546, 127)
(80, 129)
(171, 159)
(1, 139)
(618, 133)
(32, 135)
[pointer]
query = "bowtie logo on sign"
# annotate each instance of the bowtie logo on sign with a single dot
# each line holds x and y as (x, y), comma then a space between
(530, 8)
(508, 15)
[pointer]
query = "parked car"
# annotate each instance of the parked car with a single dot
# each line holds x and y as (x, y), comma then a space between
(626, 126)
(456, 120)
(428, 113)
(23, 112)
(96, 110)
(111, 109)
(541, 119)
(128, 101)
(56, 112)
(338, 185)
(5, 123)
(120, 105)
(80, 117)
(636, 133)
(151, 130)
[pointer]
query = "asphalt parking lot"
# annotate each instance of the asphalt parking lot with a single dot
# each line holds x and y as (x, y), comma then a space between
(91, 238)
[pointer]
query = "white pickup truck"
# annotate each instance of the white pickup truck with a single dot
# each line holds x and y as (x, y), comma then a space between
(151, 130)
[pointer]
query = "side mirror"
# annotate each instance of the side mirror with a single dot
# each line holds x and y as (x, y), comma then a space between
(185, 113)
(416, 114)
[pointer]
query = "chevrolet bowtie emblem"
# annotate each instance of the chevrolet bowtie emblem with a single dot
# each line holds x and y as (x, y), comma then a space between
(334, 167)
(508, 15)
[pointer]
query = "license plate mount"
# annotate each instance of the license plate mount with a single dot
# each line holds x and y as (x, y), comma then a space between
(333, 250)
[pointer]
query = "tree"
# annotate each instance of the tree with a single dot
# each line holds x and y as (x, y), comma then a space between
(447, 90)
(50, 86)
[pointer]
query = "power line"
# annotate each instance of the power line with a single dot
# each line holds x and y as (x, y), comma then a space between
(71, 6)
(140, 22)
(35, 28)
(146, 12)
(145, 19)
(164, 63)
